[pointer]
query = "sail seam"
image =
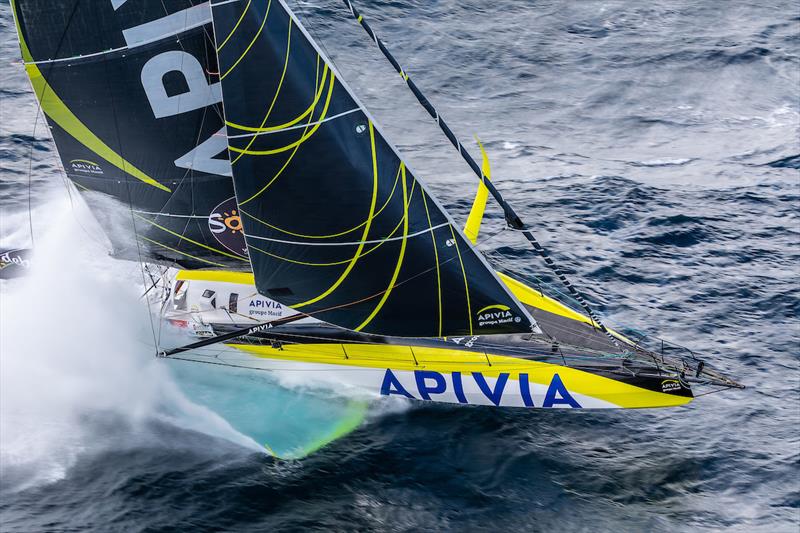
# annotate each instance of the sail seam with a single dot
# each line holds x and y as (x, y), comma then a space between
(335, 263)
(354, 243)
(331, 236)
(303, 138)
(136, 44)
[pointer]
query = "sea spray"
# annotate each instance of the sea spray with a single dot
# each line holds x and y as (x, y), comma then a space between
(75, 345)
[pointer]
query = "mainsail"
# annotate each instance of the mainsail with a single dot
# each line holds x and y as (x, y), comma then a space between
(336, 224)
(130, 92)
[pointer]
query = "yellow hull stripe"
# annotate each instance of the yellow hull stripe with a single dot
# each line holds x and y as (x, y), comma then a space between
(222, 276)
(445, 360)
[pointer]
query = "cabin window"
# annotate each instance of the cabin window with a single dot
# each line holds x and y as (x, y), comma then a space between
(233, 303)
(208, 293)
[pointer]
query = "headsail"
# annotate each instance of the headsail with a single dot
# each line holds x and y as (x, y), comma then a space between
(337, 226)
(130, 92)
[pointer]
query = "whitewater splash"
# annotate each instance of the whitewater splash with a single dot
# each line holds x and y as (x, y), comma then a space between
(77, 352)
(73, 350)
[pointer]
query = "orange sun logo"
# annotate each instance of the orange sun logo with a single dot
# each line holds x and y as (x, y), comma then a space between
(232, 221)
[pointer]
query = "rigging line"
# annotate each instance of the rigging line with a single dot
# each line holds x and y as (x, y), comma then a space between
(130, 200)
(330, 236)
(181, 252)
(354, 243)
(512, 218)
(297, 127)
(160, 214)
(39, 108)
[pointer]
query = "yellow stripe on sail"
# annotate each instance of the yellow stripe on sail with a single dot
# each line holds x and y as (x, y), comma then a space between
(57, 110)
(399, 264)
(473, 225)
(364, 235)
(255, 38)
(236, 26)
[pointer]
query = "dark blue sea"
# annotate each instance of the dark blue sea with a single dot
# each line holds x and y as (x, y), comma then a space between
(654, 148)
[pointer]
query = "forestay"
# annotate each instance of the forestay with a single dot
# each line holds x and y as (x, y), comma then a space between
(337, 226)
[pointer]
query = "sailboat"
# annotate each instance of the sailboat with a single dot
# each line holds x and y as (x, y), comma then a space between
(218, 142)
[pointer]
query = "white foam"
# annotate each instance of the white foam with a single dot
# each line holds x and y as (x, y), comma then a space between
(75, 342)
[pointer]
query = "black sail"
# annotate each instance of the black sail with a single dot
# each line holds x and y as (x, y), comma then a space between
(130, 92)
(336, 225)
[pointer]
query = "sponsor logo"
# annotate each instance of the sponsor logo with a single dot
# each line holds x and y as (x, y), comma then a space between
(428, 383)
(84, 166)
(265, 308)
(225, 224)
(495, 315)
(7, 260)
(670, 385)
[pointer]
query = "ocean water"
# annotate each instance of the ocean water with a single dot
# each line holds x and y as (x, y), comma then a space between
(655, 149)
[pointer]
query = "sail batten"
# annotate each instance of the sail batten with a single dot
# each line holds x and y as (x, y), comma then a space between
(336, 223)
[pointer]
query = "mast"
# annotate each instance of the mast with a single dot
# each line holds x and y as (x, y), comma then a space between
(512, 218)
